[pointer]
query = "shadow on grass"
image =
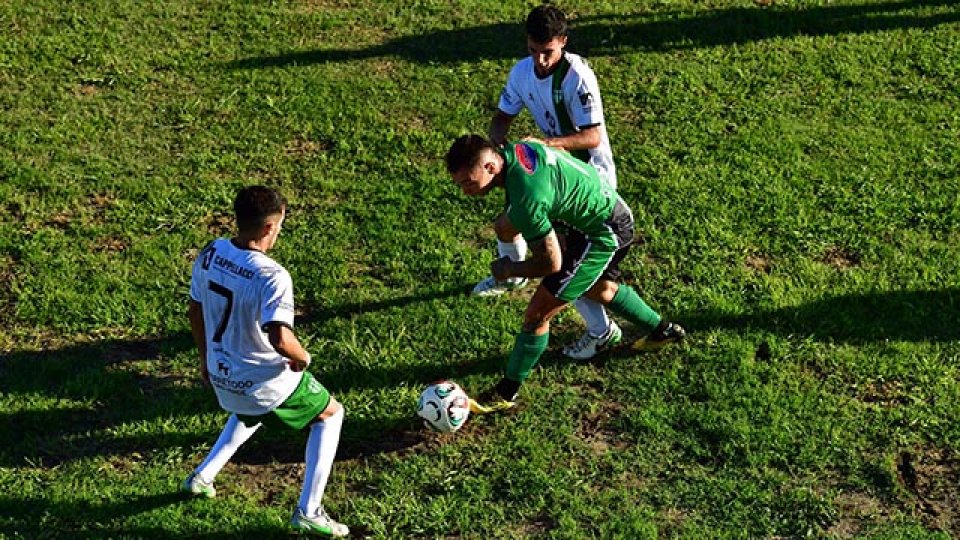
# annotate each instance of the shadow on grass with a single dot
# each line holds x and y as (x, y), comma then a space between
(660, 31)
(40, 518)
(96, 392)
(912, 315)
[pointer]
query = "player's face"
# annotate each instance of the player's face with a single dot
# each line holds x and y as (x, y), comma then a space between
(477, 180)
(546, 56)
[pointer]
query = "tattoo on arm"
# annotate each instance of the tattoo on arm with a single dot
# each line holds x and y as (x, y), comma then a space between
(544, 259)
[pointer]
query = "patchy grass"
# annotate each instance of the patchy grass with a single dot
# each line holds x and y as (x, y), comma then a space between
(793, 167)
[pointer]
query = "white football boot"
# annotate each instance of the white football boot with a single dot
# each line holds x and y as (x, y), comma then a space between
(589, 345)
(492, 287)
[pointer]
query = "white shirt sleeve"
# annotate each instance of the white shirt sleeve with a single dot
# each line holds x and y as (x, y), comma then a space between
(277, 299)
(511, 98)
(582, 93)
(198, 272)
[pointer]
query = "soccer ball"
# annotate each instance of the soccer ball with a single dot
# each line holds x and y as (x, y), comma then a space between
(443, 406)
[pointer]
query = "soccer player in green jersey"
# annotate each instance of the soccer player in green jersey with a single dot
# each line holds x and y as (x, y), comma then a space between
(545, 188)
(560, 91)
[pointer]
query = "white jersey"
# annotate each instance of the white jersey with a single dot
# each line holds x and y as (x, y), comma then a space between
(241, 290)
(581, 97)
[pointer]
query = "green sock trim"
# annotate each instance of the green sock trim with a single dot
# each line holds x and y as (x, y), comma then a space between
(627, 303)
(525, 354)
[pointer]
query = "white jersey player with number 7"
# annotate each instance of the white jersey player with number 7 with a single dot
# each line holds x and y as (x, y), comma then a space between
(241, 316)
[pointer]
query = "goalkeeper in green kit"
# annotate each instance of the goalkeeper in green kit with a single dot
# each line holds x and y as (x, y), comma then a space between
(547, 188)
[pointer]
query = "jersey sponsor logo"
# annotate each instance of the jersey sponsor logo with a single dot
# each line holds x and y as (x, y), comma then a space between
(230, 385)
(527, 157)
(280, 304)
(586, 101)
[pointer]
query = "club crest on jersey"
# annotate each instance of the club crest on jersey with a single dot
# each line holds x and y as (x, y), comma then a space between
(527, 157)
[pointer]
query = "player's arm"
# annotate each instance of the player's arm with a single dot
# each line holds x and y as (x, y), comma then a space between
(285, 342)
(499, 127)
(198, 330)
(544, 259)
(585, 139)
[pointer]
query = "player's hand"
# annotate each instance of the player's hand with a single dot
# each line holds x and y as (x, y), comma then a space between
(500, 268)
(299, 365)
(535, 139)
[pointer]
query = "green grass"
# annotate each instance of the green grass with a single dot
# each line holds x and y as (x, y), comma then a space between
(795, 170)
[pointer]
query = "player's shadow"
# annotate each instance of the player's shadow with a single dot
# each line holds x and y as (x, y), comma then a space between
(88, 390)
(318, 315)
(924, 315)
(43, 518)
(656, 31)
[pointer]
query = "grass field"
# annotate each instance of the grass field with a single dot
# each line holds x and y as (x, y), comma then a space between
(794, 168)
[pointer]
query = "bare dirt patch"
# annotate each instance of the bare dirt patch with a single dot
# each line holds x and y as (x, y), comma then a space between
(305, 147)
(840, 257)
(539, 525)
(595, 427)
(8, 301)
(220, 224)
(857, 510)
(932, 476)
(110, 244)
(884, 393)
(760, 264)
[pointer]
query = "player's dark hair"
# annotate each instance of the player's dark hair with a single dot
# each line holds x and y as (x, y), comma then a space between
(465, 151)
(254, 204)
(545, 23)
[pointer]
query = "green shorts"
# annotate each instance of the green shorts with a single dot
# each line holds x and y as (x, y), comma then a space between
(587, 260)
(299, 410)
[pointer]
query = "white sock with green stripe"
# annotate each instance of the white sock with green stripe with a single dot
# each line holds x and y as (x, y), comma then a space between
(234, 434)
(321, 449)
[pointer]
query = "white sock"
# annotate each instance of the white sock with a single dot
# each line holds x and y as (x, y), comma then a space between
(594, 315)
(234, 434)
(321, 449)
(516, 250)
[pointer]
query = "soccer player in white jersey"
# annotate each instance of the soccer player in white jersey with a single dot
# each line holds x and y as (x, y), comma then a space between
(241, 316)
(561, 93)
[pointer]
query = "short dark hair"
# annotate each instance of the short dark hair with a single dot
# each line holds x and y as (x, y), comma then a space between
(545, 23)
(254, 204)
(465, 151)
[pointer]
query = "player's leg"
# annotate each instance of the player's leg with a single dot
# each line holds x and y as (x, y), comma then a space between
(312, 405)
(234, 434)
(590, 258)
(510, 244)
(527, 349)
(624, 301)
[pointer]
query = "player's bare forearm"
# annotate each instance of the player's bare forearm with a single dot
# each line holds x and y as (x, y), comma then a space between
(285, 342)
(499, 127)
(584, 139)
(545, 259)
(198, 331)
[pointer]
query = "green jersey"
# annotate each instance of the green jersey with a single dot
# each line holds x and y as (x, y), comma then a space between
(546, 186)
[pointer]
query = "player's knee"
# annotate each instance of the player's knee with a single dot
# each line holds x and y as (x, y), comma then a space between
(536, 324)
(603, 291)
(333, 408)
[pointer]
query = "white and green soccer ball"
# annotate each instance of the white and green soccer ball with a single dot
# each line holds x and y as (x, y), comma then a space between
(443, 406)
